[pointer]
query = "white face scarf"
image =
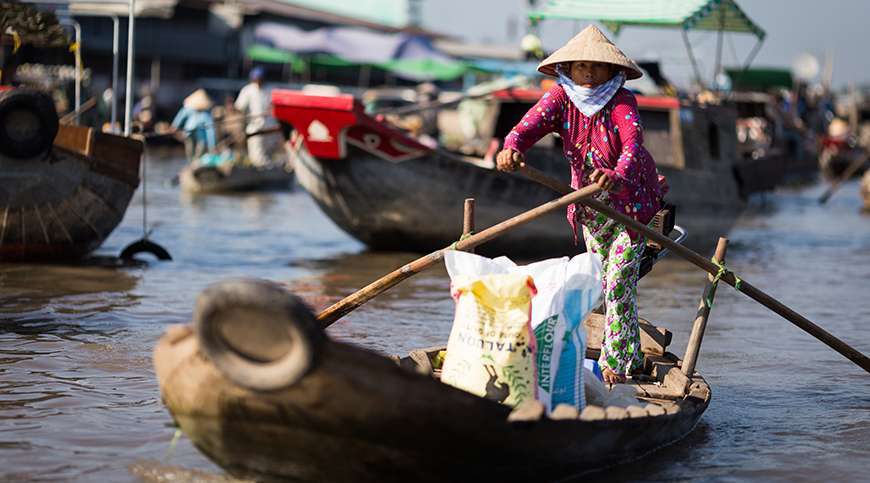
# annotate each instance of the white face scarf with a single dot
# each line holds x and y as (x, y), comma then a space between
(590, 100)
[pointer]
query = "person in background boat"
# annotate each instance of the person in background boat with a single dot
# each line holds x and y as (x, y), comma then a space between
(600, 127)
(255, 103)
(195, 122)
(427, 93)
(143, 111)
(229, 125)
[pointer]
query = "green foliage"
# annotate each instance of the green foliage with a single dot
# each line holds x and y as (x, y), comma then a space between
(32, 26)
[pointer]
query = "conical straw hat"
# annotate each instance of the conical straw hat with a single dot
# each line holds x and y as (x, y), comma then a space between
(590, 45)
(198, 101)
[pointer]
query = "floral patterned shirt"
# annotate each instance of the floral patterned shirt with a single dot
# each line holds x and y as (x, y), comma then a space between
(612, 139)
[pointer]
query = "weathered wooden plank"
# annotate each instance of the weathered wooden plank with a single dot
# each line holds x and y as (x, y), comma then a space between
(78, 139)
(653, 340)
(529, 410)
(592, 413)
(117, 157)
(565, 411)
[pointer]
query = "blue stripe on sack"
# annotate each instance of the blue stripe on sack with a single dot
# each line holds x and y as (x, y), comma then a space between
(568, 383)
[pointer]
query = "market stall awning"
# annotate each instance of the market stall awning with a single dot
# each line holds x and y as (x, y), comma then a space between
(350, 43)
(759, 79)
(408, 56)
(723, 15)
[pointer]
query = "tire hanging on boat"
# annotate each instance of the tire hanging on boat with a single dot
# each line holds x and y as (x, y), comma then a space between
(28, 123)
(257, 334)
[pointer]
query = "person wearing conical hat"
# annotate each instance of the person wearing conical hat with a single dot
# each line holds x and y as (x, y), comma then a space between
(197, 125)
(598, 121)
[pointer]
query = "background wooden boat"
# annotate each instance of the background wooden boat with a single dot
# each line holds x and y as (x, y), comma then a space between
(65, 201)
(390, 192)
(353, 415)
(229, 177)
(865, 192)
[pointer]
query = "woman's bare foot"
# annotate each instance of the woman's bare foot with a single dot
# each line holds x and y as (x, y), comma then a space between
(611, 377)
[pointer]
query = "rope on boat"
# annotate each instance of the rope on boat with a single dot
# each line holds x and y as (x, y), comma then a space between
(723, 270)
(171, 450)
(462, 238)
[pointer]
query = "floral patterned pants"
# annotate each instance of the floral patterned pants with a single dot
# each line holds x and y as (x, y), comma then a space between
(620, 349)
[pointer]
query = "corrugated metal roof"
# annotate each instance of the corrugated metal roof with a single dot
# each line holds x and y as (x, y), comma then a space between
(723, 15)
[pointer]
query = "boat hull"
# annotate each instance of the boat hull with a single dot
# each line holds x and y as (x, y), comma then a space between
(229, 178)
(417, 205)
(392, 193)
(65, 204)
(865, 192)
(358, 416)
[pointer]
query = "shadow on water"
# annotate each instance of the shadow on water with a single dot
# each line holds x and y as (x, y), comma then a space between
(415, 313)
(66, 299)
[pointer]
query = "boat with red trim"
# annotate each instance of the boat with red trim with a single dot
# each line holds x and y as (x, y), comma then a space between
(391, 191)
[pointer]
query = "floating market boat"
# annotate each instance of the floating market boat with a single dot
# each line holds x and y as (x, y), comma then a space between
(259, 388)
(63, 189)
(230, 177)
(391, 192)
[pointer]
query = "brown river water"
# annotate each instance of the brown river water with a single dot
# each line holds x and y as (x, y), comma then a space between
(79, 399)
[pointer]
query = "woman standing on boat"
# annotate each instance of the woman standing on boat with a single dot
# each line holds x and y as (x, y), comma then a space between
(601, 133)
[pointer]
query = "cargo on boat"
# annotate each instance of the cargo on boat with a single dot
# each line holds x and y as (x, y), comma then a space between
(259, 388)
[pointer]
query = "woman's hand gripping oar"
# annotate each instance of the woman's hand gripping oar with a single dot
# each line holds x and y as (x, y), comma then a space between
(349, 303)
(718, 271)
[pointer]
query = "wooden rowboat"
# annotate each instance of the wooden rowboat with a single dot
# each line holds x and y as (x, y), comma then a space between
(391, 192)
(259, 388)
(61, 194)
(231, 177)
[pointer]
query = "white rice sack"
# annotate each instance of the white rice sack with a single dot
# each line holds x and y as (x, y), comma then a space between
(567, 289)
(490, 352)
(581, 292)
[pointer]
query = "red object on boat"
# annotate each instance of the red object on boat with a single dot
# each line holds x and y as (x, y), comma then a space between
(327, 123)
(835, 142)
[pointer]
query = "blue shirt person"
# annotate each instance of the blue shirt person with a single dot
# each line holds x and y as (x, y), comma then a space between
(195, 120)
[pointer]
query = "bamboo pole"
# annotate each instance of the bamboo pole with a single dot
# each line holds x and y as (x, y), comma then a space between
(468, 220)
(728, 277)
(700, 323)
(351, 302)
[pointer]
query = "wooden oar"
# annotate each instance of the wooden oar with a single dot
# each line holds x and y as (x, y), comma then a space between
(705, 264)
(850, 170)
(351, 302)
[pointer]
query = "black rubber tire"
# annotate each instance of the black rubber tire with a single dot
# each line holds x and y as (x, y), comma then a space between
(254, 310)
(30, 108)
(145, 246)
